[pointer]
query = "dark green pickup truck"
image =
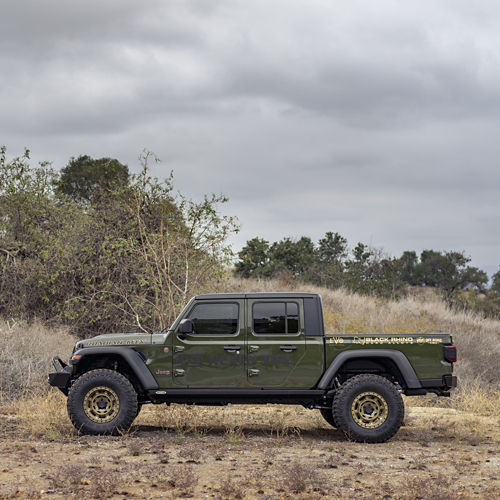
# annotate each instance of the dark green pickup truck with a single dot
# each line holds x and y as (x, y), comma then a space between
(255, 348)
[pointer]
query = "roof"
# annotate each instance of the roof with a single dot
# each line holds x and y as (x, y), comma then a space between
(258, 295)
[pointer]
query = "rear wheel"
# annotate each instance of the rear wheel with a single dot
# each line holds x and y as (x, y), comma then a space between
(327, 414)
(102, 402)
(368, 408)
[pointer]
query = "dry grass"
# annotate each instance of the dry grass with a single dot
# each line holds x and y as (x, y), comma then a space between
(25, 354)
(471, 396)
(442, 453)
(42, 416)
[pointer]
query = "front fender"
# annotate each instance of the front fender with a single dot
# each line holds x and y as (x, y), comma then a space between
(132, 358)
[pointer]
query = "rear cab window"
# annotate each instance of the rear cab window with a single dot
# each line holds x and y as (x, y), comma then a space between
(275, 318)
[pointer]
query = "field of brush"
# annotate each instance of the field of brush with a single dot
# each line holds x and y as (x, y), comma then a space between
(447, 447)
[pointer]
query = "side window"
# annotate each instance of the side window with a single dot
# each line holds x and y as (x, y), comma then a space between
(275, 318)
(215, 319)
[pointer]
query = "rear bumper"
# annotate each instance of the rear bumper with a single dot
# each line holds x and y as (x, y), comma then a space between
(450, 381)
(440, 386)
(61, 377)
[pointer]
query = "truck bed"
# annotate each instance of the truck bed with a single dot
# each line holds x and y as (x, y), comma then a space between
(424, 351)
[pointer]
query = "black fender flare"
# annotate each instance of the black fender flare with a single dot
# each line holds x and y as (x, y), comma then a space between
(133, 359)
(397, 357)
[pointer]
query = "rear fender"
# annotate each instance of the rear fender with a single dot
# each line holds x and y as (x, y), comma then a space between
(397, 357)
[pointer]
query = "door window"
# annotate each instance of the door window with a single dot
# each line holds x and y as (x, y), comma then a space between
(215, 319)
(275, 318)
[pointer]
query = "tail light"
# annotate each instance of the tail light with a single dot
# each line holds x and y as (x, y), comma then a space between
(450, 353)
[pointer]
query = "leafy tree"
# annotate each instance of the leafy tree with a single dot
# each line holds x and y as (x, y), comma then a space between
(328, 268)
(332, 248)
(293, 256)
(254, 259)
(86, 179)
(31, 250)
(449, 272)
(495, 286)
(129, 261)
(358, 267)
(368, 271)
(474, 279)
(408, 262)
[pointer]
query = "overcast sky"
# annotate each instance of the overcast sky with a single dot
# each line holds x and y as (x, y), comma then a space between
(376, 119)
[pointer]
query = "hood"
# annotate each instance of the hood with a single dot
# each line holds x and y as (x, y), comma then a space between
(118, 339)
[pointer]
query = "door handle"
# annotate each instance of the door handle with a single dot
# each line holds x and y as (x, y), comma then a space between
(253, 348)
(232, 348)
(253, 372)
(288, 348)
(178, 372)
(179, 348)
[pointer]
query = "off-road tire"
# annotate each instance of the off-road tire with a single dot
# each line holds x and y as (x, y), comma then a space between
(327, 414)
(102, 388)
(352, 404)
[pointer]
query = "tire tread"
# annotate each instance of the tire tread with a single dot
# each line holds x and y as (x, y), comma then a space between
(76, 413)
(351, 429)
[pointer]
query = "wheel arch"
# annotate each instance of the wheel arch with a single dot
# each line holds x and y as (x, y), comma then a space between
(390, 359)
(128, 362)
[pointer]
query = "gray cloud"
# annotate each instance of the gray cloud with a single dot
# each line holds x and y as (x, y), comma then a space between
(375, 119)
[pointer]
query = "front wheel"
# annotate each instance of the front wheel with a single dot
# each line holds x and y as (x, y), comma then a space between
(368, 408)
(102, 402)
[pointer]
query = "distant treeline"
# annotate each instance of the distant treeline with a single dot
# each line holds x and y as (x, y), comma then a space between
(99, 249)
(365, 270)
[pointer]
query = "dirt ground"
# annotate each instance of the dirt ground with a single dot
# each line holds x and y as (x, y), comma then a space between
(266, 452)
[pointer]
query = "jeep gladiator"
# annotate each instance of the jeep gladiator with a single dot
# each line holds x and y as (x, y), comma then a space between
(255, 348)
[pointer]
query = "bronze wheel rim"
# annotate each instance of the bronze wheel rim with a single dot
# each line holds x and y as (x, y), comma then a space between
(101, 404)
(369, 410)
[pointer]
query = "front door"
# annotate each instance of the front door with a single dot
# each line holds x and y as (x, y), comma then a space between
(213, 355)
(276, 343)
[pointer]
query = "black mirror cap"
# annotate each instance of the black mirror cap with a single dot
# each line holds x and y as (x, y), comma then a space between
(185, 326)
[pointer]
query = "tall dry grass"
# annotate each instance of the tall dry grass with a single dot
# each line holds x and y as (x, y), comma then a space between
(25, 354)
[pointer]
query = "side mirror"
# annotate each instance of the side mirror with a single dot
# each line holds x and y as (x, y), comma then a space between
(185, 326)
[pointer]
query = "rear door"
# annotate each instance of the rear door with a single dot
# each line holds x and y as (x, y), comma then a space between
(276, 343)
(213, 356)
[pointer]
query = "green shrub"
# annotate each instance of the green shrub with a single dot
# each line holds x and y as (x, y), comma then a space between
(126, 259)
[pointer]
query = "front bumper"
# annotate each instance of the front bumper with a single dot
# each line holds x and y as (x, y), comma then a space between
(61, 377)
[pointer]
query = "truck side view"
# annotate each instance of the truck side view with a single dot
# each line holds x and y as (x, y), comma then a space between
(255, 348)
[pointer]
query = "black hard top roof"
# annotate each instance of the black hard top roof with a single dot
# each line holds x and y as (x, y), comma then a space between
(259, 295)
